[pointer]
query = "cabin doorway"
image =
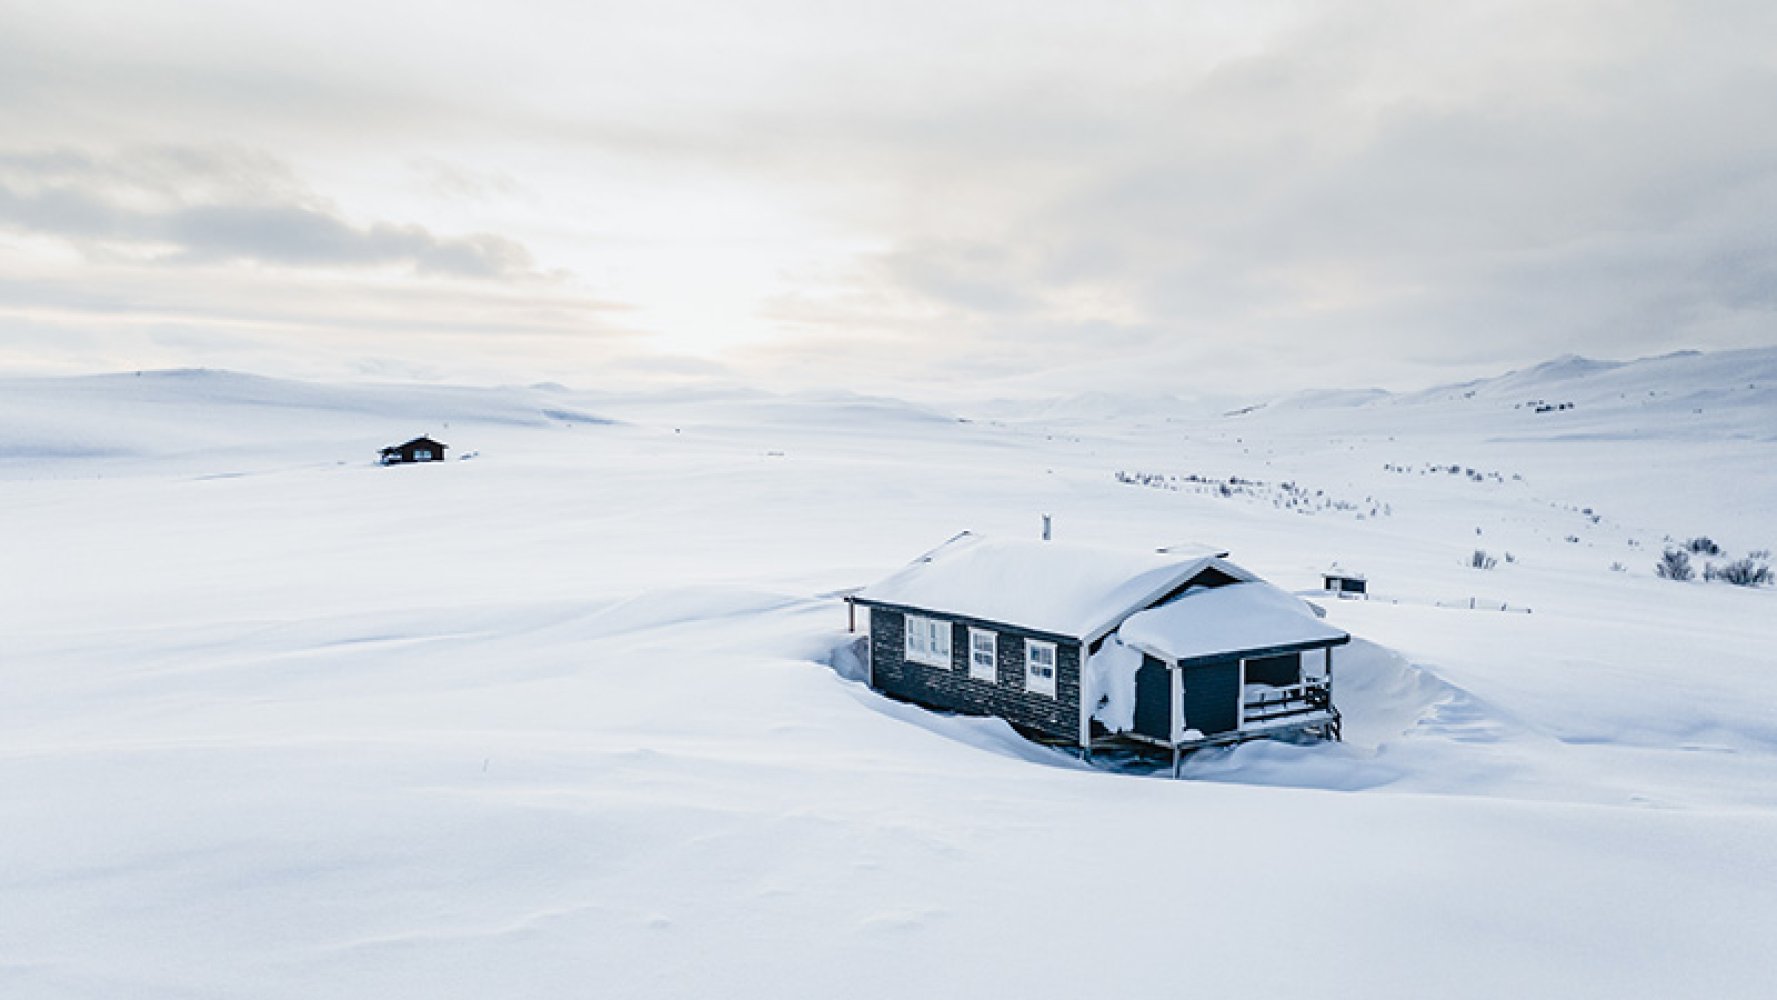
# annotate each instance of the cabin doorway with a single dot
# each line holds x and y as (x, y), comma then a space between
(1212, 697)
(1153, 700)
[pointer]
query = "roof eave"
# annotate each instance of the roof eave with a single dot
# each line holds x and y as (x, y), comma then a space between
(1041, 633)
(1255, 653)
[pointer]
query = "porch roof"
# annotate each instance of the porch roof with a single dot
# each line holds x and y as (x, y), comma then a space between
(1253, 617)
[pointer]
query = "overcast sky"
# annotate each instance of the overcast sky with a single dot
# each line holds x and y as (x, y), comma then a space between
(952, 198)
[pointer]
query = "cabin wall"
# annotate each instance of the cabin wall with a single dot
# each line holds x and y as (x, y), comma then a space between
(955, 691)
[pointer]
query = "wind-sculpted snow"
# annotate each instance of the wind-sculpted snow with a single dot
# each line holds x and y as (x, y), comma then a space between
(582, 716)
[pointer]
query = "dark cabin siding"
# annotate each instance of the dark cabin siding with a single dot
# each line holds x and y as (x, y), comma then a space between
(410, 452)
(1212, 697)
(954, 690)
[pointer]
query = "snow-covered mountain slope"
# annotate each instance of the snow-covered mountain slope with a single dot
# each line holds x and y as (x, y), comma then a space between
(568, 718)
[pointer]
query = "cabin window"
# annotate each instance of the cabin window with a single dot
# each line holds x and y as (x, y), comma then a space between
(422, 455)
(984, 648)
(928, 641)
(1039, 667)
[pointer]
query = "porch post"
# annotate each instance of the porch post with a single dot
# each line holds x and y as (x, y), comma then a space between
(1177, 714)
(1240, 699)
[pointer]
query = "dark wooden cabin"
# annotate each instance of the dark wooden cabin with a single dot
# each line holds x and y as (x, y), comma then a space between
(1346, 584)
(420, 449)
(1089, 647)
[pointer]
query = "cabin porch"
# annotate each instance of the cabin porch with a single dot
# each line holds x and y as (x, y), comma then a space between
(1181, 708)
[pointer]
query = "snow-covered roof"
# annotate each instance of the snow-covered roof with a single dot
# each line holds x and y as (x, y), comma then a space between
(1219, 620)
(1055, 587)
(422, 439)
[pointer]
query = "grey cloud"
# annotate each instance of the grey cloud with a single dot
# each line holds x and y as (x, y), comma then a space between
(1518, 188)
(294, 235)
(197, 206)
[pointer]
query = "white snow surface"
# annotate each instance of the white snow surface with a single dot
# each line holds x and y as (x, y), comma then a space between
(1207, 621)
(1110, 683)
(578, 718)
(1062, 588)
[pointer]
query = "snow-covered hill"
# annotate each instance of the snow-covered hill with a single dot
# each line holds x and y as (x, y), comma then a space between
(562, 721)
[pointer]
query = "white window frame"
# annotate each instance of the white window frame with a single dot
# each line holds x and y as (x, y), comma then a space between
(928, 641)
(1035, 680)
(989, 671)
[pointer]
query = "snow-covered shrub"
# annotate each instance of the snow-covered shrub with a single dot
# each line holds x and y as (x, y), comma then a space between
(1703, 545)
(1617, 567)
(1674, 564)
(1481, 560)
(1740, 573)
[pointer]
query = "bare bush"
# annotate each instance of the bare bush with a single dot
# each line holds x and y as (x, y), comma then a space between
(1481, 560)
(1674, 564)
(1740, 573)
(1703, 545)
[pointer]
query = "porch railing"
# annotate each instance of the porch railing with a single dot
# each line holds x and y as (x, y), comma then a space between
(1267, 704)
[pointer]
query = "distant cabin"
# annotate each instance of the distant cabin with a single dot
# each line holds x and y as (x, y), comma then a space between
(1346, 585)
(420, 449)
(1092, 648)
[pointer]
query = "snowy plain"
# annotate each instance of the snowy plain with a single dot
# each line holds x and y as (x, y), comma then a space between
(562, 719)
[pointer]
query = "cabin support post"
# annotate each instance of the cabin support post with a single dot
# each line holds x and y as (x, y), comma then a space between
(1177, 677)
(851, 615)
(1240, 698)
(1083, 653)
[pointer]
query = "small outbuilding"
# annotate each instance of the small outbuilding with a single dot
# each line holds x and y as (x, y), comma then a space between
(1090, 647)
(1343, 584)
(420, 449)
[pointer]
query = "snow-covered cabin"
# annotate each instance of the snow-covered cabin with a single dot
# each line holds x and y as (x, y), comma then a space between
(1345, 583)
(420, 449)
(1087, 646)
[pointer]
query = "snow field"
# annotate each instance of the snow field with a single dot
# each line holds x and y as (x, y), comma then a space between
(558, 721)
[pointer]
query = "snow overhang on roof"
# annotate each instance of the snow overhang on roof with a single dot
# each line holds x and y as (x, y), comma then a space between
(1216, 622)
(1058, 588)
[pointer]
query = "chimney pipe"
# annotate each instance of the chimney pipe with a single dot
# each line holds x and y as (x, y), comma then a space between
(1045, 527)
